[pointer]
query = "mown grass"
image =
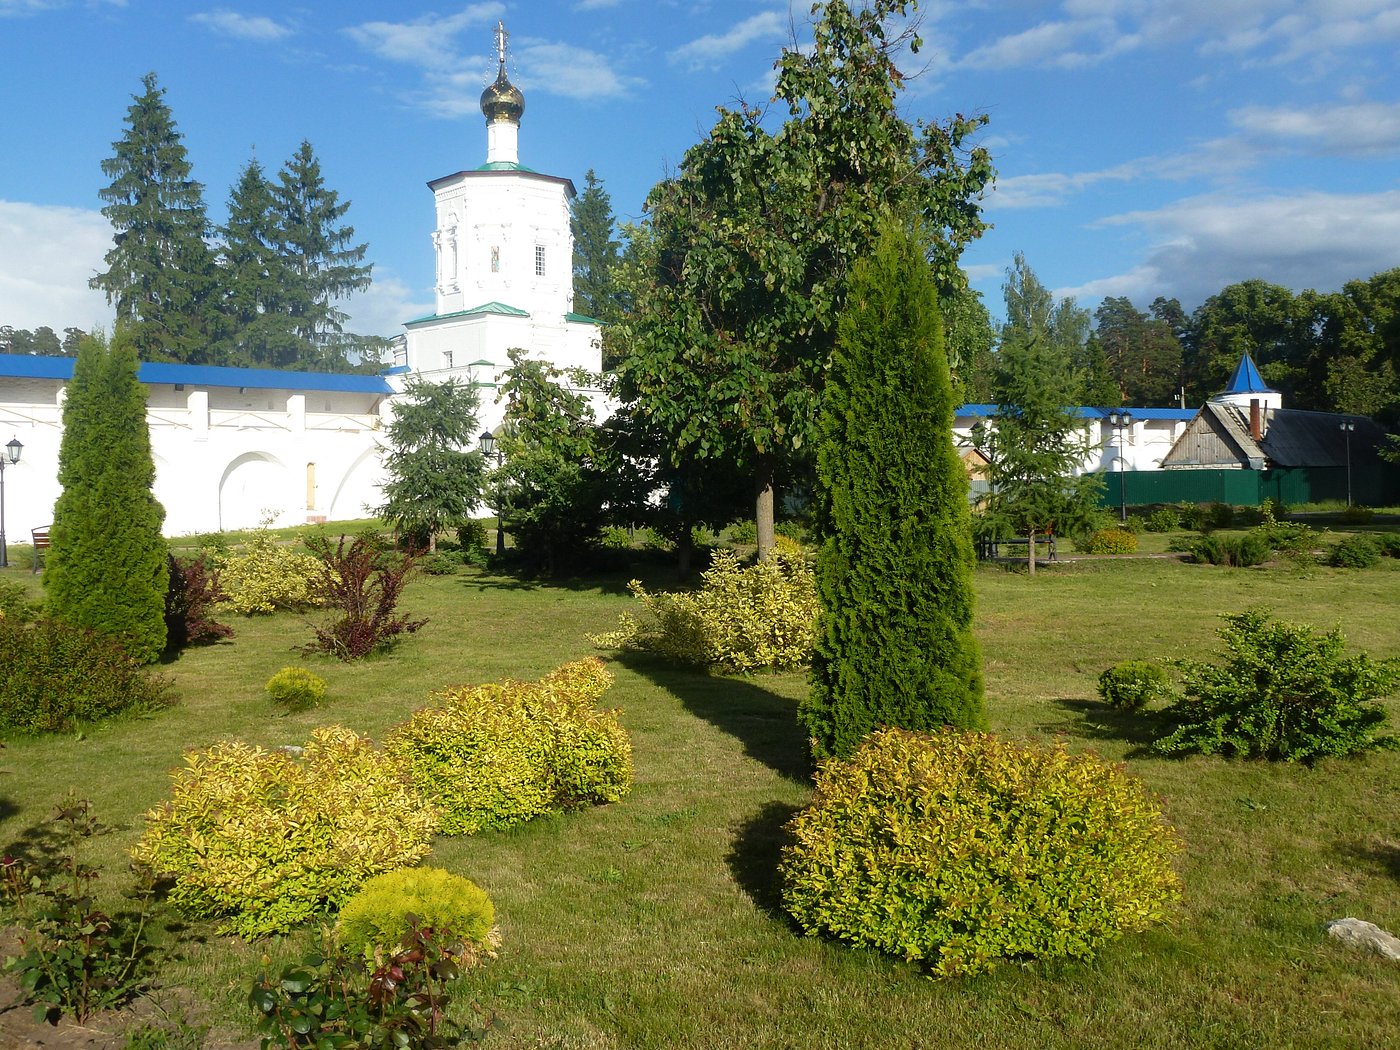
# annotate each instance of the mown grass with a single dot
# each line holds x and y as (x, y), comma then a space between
(656, 922)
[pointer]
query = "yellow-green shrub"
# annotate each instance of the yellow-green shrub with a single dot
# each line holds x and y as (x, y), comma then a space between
(742, 618)
(490, 756)
(959, 849)
(264, 840)
(268, 576)
(1113, 541)
(296, 688)
(374, 921)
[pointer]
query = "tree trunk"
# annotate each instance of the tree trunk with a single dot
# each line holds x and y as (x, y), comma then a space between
(1030, 551)
(763, 507)
(685, 550)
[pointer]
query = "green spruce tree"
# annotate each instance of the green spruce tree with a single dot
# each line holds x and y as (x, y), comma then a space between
(894, 573)
(160, 272)
(1036, 447)
(256, 278)
(434, 471)
(595, 251)
(325, 265)
(107, 564)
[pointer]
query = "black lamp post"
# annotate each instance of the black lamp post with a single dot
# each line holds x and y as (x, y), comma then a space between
(12, 450)
(1120, 421)
(1346, 429)
(489, 450)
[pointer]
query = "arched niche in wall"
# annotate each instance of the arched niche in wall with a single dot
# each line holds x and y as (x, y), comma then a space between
(253, 488)
(357, 493)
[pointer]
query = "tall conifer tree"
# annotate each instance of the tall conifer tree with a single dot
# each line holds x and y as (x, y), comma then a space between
(595, 251)
(325, 265)
(894, 573)
(160, 274)
(107, 564)
(256, 277)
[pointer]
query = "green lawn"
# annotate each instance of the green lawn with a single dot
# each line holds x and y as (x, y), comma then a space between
(655, 922)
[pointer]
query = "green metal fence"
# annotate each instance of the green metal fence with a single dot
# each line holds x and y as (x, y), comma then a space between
(1371, 486)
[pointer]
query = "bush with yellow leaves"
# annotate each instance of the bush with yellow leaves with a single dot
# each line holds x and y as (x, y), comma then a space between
(743, 618)
(264, 840)
(494, 755)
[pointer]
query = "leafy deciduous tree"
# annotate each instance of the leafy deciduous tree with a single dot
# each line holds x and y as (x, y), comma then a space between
(751, 242)
(895, 644)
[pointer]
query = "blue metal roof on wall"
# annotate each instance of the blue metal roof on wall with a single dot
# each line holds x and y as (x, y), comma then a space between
(1093, 412)
(23, 366)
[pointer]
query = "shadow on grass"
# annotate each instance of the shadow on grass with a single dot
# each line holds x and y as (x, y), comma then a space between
(754, 855)
(652, 577)
(1383, 856)
(764, 722)
(1096, 720)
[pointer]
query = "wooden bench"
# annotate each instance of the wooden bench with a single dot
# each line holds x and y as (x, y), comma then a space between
(41, 542)
(1023, 542)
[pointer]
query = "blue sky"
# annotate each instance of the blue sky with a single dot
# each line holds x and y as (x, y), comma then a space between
(1144, 147)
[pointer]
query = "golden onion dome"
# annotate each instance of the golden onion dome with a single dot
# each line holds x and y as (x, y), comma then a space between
(502, 100)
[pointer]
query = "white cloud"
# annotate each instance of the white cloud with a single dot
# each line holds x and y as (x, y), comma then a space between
(595, 5)
(16, 8)
(452, 79)
(430, 41)
(50, 252)
(384, 306)
(242, 27)
(1064, 45)
(708, 51)
(1308, 240)
(1351, 128)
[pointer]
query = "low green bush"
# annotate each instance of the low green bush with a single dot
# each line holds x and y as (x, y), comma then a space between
(1135, 685)
(1388, 543)
(15, 603)
(1112, 541)
(1282, 691)
(1218, 516)
(742, 618)
(1354, 552)
(1357, 515)
(1192, 515)
(1244, 551)
(385, 909)
(743, 532)
(614, 538)
(268, 576)
(55, 678)
(296, 689)
(1163, 519)
(263, 841)
(491, 756)
(957, 850)
(471, 535)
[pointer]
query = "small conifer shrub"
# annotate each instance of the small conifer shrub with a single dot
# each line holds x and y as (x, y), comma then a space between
(376, 919)
(1355, 552)
(1135, 685)
(1281, 691)
(296, 689)
(957, 850)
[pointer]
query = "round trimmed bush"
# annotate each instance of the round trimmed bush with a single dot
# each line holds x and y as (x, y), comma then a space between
(1113, 541)
(296, 688)
(960, 849)
(1133, 685)
(375, 920)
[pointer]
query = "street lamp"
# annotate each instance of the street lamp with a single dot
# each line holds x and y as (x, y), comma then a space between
(12, 450)
(489, 450)
(1346, 429)
(1120, 421)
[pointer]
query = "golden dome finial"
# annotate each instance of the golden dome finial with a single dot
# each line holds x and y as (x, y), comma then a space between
(502, 100)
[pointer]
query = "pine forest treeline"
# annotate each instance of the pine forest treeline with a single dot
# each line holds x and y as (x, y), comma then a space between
(263, 290)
